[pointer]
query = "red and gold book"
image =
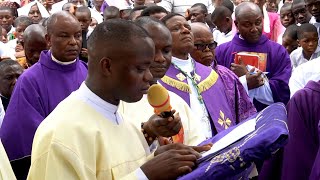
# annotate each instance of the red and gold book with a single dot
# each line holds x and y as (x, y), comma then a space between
(258, 60)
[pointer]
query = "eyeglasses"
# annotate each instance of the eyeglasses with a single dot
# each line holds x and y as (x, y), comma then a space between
(202, 47)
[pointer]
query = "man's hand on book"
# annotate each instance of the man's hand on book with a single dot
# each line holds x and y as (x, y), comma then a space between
(254, 79)
(239, 69)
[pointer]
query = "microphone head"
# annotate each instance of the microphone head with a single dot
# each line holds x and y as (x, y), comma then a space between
(159, 98)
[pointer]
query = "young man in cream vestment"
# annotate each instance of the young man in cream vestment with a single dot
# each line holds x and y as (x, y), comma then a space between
(141, 111)
(85, 137)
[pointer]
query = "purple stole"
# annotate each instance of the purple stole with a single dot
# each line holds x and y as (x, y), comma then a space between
(212, 92)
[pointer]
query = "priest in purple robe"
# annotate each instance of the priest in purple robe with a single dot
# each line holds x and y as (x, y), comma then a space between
(299, 157)
(41, 88)
(200, 86)
(265, 87)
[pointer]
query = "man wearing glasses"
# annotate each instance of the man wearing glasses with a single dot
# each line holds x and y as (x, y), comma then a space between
(200, 86)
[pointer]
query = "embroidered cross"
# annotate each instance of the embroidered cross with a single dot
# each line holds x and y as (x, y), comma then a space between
(224, 122)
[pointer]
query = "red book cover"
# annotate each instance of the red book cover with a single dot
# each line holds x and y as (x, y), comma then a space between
(257, 60)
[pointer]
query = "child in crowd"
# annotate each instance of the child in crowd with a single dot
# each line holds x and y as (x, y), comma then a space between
(286, 18)
(308, 42)
(83, 15)
(300, 12)
(6, 21)
(221, 18)
(93, 23)
(290, 37)
(21, 23)
(4, 36)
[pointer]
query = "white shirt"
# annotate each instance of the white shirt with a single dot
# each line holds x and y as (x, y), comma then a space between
(2, 112)
(181, 6)
(96, 14)
(197, 107)
(262, 94)
(109, 111)
(221, 37)
(297, 57)
(303, 74)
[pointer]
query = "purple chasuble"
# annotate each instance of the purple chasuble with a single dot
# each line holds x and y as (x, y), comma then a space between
(303, 123)
(218, 105)
(278, 64)
(37, 92)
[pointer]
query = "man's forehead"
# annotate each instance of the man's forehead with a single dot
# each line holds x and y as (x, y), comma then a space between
(298, 6)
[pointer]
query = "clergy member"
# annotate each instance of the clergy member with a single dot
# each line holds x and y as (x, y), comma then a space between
(303, 123)
(266, 87)
(42, 88)
(203, 52)
(199, 86)
(5, 167)
(34, 42)
(141, 111)
(85, 137)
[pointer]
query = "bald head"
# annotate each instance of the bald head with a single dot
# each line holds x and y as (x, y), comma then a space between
(200, 30)
(59, 17)
(246, 7)
(34, 31)
(107, 41)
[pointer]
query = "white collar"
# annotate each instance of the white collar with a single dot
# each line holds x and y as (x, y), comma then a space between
(107, 109)
(60, 62)
(183, 64)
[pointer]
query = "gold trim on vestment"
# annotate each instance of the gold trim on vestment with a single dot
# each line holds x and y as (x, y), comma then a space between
(208, 82)
(177, 84)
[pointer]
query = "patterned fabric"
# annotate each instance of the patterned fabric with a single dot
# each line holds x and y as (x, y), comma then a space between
(235, 161)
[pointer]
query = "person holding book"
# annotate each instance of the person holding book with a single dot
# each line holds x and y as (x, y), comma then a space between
(266, 87)
(217, 105)
(308, 42)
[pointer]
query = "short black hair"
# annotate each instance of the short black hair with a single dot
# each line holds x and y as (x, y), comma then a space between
(111, 11)
(24, 20)
(228, 4)
(286, 5)
(147, 20)
(138, 8)
(297, 2)
(111, 33)
(220, 12)
(306, 27)
(6, 63)
(202, 6)
(169, 16)
(44, 22)
(291, 31)
(5, 8)
(84, 9)
(153, 10)
(52, 20)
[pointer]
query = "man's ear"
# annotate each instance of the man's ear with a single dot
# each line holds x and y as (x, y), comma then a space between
(48, 40)
(105, 65)
(228, 19)
(236, 23)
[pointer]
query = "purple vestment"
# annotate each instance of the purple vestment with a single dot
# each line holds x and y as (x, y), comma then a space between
(278, 64)
(303, 122)
(37, 92)
(235, 161)
(225, 99)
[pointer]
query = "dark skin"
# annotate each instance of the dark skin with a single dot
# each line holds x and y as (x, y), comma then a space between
(8, 78)
(223, 24)
(289, 43)
(97, 4)
(202, 35)
(286, 16)
(65, 38)
(6, 19)
(313, 7)
(309, 43)
(35, 14)
(85, 19)
(182, 37)
(249, 23)
(34, 43)
(139, 2)
(124, 74)
(196, 14)
(300, 13)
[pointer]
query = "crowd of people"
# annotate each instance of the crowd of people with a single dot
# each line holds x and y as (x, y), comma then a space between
(74, 77)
